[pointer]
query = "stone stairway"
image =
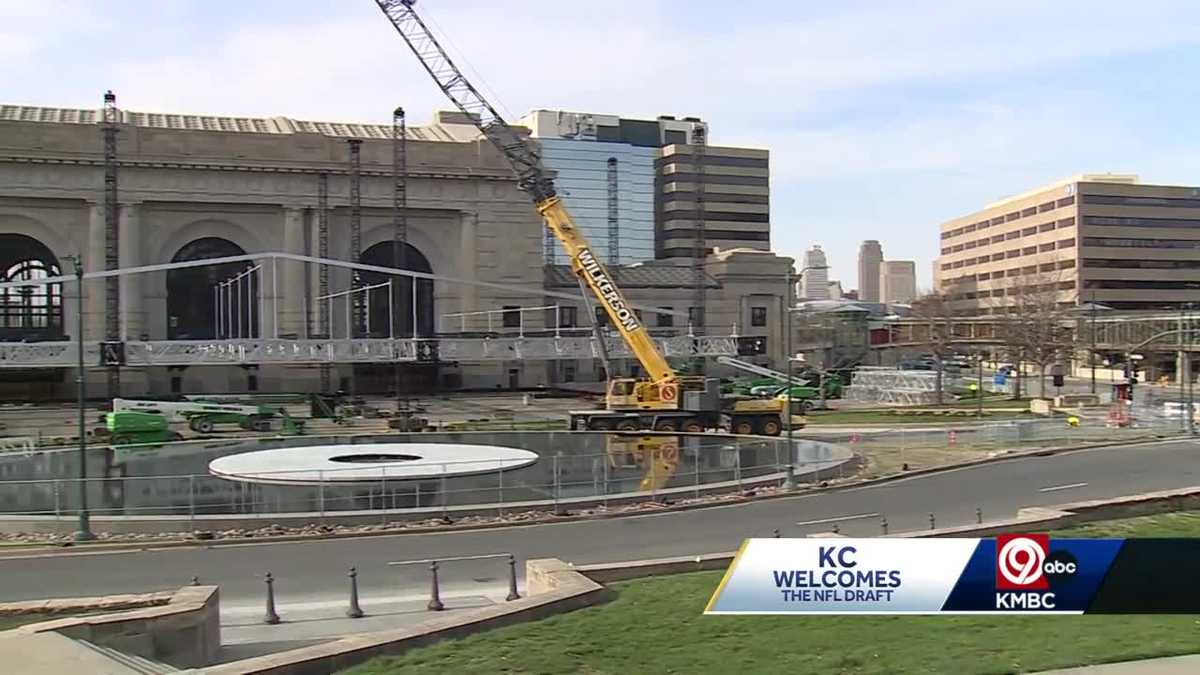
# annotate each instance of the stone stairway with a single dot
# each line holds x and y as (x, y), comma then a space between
(130, 662)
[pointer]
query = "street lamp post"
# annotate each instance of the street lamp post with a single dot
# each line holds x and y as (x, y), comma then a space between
(787, 348)
(1092, 353)
(84, 533)
(787, 355)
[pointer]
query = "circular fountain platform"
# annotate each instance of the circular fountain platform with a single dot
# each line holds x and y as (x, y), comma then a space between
(367, 462)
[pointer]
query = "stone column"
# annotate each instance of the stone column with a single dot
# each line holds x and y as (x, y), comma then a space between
(469, 257)
(290, 274)
(93, 289)
(129, 248)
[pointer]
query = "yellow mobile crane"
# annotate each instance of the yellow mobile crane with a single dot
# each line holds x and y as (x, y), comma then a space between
(663, 401)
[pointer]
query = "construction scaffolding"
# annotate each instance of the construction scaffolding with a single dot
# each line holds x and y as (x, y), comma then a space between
(323, 317)
(112, 257)
(891, 386)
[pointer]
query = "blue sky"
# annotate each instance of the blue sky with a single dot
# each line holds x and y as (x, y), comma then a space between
(883, 119)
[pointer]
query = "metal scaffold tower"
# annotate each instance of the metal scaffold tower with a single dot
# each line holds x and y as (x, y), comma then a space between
(399, 203)
(323, 317)
(399, 227)
(891, 386)
(358, 327)
(112, 285)
(700, 252)
(614, 227)
(700, 255)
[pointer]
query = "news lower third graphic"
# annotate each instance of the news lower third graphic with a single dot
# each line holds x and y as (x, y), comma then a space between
(1011, 574)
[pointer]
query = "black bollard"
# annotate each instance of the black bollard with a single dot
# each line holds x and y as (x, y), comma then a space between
(354, 612)
(836, 529)
(978, 515)
(932, 526)
(512, 579)
(272, 617)
(435, 596)
(883, 524)
(775, 533)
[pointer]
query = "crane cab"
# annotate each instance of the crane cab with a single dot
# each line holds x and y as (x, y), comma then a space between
(627, 393)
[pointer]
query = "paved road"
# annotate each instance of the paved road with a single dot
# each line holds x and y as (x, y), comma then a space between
(315, 571)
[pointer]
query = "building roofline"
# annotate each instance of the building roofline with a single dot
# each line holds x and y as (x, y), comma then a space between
(1121, 178)
(277, 125)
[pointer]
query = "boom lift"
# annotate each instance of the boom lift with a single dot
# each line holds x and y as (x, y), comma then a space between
(663, 400)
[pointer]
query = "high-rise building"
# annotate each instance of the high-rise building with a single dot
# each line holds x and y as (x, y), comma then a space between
(814, 277)
(736, 199)
(897, 281)
(870, 255)
(652, 168)
(604, 168)
(835, 290)
(1104, 238)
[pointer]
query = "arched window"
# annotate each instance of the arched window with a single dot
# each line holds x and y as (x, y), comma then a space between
(32, 312)
(402, 291)
(192, 303)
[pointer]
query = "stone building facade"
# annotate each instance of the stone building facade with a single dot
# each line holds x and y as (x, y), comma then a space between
(194, 187)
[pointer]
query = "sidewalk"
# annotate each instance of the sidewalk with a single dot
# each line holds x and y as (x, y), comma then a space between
(1171, 665)
(244, 634)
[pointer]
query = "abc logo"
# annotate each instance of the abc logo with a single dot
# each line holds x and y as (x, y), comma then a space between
(1059, 567)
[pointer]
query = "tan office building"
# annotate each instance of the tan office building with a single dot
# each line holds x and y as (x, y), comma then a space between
(736, 200)
(1103, 238)
(897, 281)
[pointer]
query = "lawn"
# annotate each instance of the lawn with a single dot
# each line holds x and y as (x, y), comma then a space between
(910, 416)
(1177, 524)
(656, 626)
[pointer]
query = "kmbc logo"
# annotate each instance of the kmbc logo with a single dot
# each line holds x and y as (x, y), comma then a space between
(1021, 562)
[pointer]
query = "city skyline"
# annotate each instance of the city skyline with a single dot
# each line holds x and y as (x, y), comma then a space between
(895, 118)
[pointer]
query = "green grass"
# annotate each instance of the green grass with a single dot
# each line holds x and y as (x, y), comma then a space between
(1177, 524)
(908, 416)
(657, 626)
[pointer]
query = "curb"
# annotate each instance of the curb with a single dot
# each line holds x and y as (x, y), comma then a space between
(84, 549)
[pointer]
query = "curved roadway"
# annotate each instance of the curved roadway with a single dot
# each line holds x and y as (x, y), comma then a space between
(315, 571)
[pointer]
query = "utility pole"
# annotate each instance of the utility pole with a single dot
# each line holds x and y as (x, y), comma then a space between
(84, 533)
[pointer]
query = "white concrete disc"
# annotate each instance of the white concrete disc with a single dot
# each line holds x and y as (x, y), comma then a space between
(367, 462)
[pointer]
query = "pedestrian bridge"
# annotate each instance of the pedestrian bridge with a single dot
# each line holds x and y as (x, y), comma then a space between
(360, 350)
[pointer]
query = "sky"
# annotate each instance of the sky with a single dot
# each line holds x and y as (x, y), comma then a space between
(883, 119)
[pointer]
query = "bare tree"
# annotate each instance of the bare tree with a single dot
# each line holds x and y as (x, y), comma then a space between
(935, 332)
(1035, 322)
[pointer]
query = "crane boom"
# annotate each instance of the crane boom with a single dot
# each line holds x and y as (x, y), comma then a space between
(532, 178)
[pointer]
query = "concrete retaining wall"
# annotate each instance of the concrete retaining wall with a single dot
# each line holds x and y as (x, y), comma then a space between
(552, 587)
(103, 603)
(184, 632)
